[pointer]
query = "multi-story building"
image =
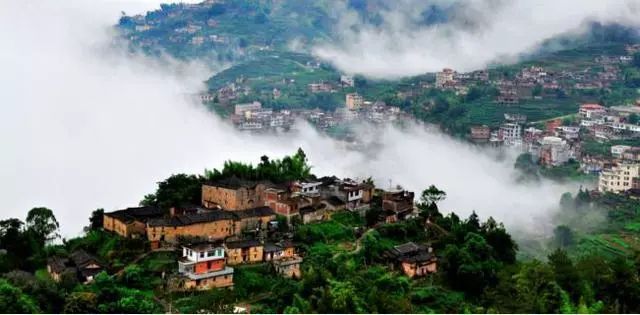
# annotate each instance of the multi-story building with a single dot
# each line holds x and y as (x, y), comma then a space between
(397, 205)
(203, 267)
(554, 151)
(619, 177)
(240, 109)
(284, 259)
(444, 77)
(591, 110)
(354, 101)
(480, 134)
(244, 251)
(510, 133)
(233, 194)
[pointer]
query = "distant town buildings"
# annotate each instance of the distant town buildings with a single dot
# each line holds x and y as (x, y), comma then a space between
(354, 101)
(444, 77)
(347, 81)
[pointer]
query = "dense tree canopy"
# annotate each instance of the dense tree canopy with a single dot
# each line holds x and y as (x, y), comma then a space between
(289, 168)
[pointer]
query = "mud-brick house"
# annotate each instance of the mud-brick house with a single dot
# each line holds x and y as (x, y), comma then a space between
(130, 222)
(313, 213)
(355, 195)
(252, 220)
(397, 205)
(284, 258)
(244, 251)
(202, 267)
(412, 259)
(79, 264)
(234, 194)
(212, 224)
(57, 267)
(288, 266)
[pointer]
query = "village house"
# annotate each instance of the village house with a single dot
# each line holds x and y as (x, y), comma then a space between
(314, 213)
(86, 265)
(347, 81)
(356, 196)
(233, 194)
(240, 109)
(590, 111)
(321, 87)
(300, 195)
(510, 133)
(288, 266)
(397, 205)
(130, 222)
(568, 132)
(203, 267)
(480, 134)
(554, 151)
(212, 224)
(354, 101)
(252, 220)
(507, 96)
(592, 164)
(58, 267)
(618, 150)
(283, 257)
(412, 259)
(619, 177)
(444, 77)
(632, 154)
(244, 251)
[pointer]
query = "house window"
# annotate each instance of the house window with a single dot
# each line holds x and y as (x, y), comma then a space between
(201, 254)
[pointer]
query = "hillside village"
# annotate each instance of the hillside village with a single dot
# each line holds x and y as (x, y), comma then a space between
(272, 237)
(236, 224)
(271, 233)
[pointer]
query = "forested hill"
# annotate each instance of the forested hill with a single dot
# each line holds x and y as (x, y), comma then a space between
(232, 30)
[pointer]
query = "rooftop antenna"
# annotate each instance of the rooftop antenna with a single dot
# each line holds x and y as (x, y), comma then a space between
(390, 185)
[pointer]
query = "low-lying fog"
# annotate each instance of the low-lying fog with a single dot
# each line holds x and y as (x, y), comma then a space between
(85, 125)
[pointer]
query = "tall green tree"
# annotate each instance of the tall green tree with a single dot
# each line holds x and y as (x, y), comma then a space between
(43, 224)
(177, 190)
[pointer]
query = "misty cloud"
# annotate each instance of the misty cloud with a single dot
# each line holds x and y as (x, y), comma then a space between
(475, 34)
(85, 124)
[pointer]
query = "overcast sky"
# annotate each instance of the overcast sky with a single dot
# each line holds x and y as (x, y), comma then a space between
(85, 125)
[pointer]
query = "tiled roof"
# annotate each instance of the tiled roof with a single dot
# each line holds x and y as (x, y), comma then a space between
(254, 212)
(137, 213)
(242, 244)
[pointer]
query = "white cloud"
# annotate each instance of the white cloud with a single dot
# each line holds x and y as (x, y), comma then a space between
(479, 32)
(84, 124)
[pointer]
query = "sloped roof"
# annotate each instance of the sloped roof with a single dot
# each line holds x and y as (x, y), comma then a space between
(254, 212)
(137, 213)
(242, 244)
(193, 218)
